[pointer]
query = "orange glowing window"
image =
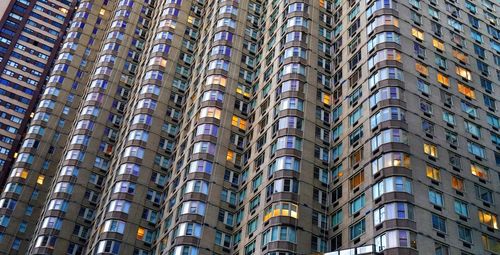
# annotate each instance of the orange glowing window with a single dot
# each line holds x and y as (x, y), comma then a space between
(466, 91)
(443, 79)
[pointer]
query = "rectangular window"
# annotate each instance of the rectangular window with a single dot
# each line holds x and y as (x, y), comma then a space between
(357, 229)
(438, 223)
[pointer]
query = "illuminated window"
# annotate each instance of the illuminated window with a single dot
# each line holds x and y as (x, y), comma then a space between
(417, 33)
(466, 91)
(357, 180)
(230, 155)
(457, 183)
(242, 90)
(421, 68)
(326, 99)
(491, 243)
(158, 61)
(478, 171)
(444, 80)
(488, 219)
(281, 209)
(460, 56)
(430, 150)
(357, 156)
(217, 80)
(433, 173)
(211, 112)
(464, 73)
(140, 233)
(238, 122)
(19, 172)
(40, 179)
(438, 44)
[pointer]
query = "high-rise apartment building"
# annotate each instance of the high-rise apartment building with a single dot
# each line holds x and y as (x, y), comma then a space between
(264, 127)
(30, 35)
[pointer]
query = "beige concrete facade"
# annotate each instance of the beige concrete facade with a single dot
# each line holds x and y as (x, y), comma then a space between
(268, 127)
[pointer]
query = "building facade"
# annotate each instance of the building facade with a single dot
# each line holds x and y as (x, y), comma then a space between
(30, 37)
(190, 131)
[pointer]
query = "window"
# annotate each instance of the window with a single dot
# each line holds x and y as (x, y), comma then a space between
(357, 229)
(461, 208)
(449, 117)
(438, 44)
(476, 149)
(357, 204)
(489, 102)
(389, 160)
(469, 109)
(479, 171)
(425, 107)
(461, 56)
(438, 223)
(279, 233)
(436, 197)
(472, 129)
(443, 79)
(464, 233)
(488, 219)
(493, 120)
(491, 243)
(357, 180)
(417, 33)
(355, 116)
(392, 184)
(457, 183)
(337, 218)
(423, 87)
(484, 194)
(422, 69)
(464, 73)
(430, 149)
(394, 239)
(466, 91)
(433, 173)
(390, 211)
(281, 209)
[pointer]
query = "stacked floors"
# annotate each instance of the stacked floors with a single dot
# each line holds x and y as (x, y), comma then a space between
(264, 127)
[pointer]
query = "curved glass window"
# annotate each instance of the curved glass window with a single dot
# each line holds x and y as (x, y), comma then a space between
(207, 129)
(386, 114)
(395, 238)
(389, 136)
(377, 5)
(389, 160)
(393, 211)
(392, 184)
(188, 229)
(201, 166)
(383, 20)
(384, 94)
(196, 186)
(281, 209)
(383, 37)
(290, 103)
(384, 55)
(193, 207)
(385, 73)
(279, 233)
(204, 147)
(116, 226)
(184, 250)
(284, 163)
(212, 95)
